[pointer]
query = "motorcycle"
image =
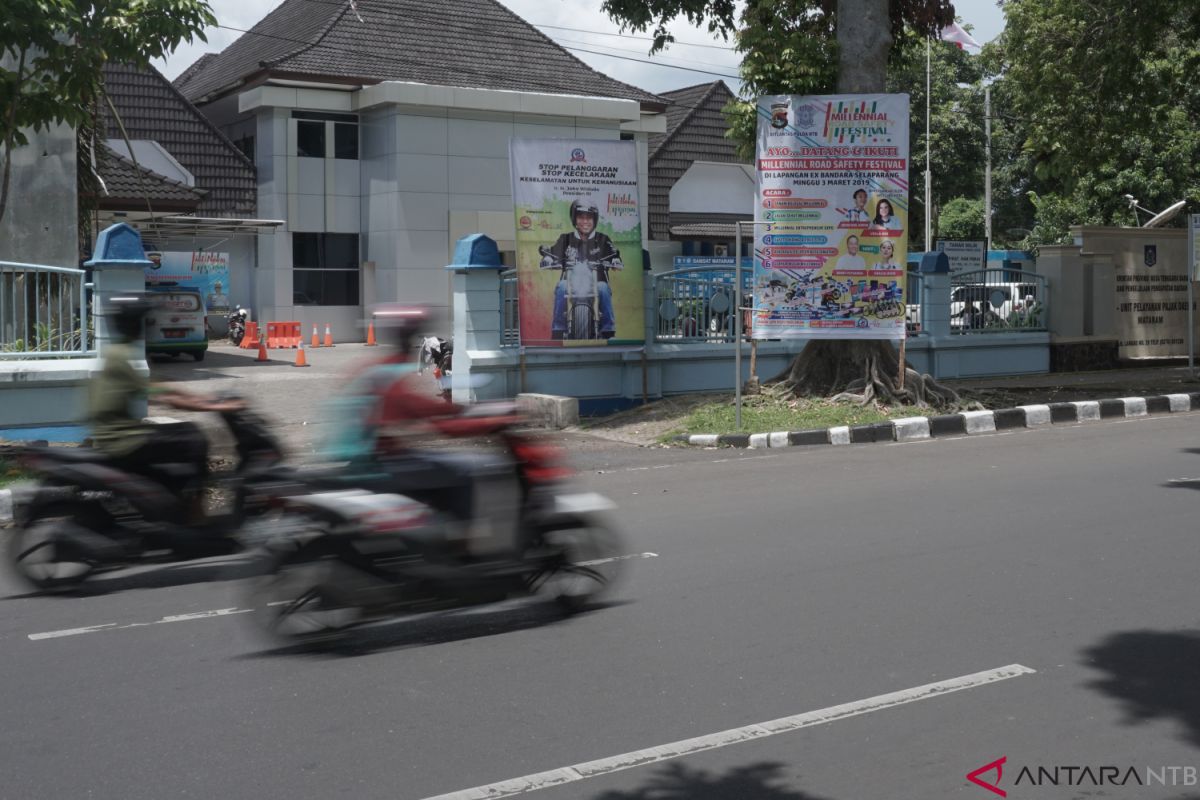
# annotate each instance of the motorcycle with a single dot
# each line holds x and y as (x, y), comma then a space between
(583, 319)
(333, 561)
(86, 514)
(237, 324)
(438, 353)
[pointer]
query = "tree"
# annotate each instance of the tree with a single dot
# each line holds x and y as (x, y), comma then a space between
(961, 218)
(52, 52)
(789, 46)
(1105, 99)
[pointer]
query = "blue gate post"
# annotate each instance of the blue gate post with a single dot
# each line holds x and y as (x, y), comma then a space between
(118, 267)
(478, 317)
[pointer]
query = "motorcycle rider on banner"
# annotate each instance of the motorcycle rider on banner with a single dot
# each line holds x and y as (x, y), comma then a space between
(584, 244)
(115, 397)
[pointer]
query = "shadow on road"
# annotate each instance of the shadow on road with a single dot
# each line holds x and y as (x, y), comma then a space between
(437, 628)
(679, 782)
(160, 577)
(1153, 675)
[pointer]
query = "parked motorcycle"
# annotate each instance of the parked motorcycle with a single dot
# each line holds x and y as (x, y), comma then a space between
(237, 324)
(86, 514)
(583, 318)
(333, 561)
(438, 353)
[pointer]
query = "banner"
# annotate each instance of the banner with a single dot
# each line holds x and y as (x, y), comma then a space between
(579, 242)
(203, 270)
(829, 260)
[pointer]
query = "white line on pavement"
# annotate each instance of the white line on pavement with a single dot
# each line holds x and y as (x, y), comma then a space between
(112, 626)
(637, 758)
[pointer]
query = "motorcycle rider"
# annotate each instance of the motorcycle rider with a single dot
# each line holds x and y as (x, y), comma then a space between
(584, 244)
(115, 398)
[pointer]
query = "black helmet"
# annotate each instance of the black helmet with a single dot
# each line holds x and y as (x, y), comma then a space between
(127, 311)
(584, 207)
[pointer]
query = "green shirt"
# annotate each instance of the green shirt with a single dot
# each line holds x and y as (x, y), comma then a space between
(113, 395)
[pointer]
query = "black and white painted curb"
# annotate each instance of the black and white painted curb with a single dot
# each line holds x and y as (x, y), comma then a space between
(910, 429)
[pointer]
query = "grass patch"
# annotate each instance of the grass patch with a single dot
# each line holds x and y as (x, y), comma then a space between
(761, 414)
(11, 473)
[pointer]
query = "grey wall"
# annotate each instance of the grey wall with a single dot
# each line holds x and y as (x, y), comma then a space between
(40, 224)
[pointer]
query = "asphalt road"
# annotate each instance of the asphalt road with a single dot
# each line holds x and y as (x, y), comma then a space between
(1043, 581)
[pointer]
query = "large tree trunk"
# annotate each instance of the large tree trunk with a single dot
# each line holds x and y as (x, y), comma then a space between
(861, 370)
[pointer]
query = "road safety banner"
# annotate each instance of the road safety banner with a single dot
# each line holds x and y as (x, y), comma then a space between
(579, 242)
(830, 254)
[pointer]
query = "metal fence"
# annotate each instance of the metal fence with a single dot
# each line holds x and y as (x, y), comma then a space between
(998, 301)
(43, 312)
(510, 314)
(697, 304)
(914, 298)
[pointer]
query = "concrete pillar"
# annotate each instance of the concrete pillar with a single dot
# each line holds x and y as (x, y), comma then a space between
(478, 316)
(119, 267)
(935, 307)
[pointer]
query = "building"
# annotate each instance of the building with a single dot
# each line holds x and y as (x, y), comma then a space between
(380, 134)
(698, 183)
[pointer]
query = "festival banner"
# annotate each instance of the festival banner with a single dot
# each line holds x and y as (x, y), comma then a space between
(829, 260)
(579, 242)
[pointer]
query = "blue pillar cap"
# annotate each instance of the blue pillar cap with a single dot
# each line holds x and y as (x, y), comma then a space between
(476, 251)
(119, 244)
(934, 262)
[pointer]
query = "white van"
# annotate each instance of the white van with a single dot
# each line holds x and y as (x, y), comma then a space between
(178, 323)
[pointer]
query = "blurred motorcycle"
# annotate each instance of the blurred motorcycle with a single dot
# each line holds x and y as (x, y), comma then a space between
(336, 560)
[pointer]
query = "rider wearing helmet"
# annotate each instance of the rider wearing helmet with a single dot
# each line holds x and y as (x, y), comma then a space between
(117, 396)
(584, 244)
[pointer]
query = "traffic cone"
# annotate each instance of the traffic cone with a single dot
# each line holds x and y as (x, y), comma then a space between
(300, 360)
(315, 342)
(262, 349)
(371, 334)
(328, 336)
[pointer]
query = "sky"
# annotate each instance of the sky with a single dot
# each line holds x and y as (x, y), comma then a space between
(581, 26)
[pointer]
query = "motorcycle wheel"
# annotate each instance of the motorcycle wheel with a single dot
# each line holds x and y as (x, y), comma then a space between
(581, 322)
(236, 335)
(42, 562)
(294, 600)
(592, 563)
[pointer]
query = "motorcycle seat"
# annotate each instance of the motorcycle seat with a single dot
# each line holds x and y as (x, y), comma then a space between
(75, 455)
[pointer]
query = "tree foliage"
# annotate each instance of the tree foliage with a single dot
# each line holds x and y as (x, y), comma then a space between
(1105, 103)
(52, 53)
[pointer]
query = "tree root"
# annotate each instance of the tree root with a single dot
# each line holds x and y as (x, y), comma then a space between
(860, 372)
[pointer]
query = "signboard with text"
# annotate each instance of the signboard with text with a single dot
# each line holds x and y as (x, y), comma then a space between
(964, 256)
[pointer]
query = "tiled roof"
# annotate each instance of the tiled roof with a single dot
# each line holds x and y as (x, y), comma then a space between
(129, 185)
(151, 108)
(695, 132)
(468, 43)
(182, 79)
(708, 226)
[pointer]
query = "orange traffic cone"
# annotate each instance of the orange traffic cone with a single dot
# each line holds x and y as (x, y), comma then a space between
(315, 342)
(262, 349)
(300, 359)
(328, 336)
(371, 334)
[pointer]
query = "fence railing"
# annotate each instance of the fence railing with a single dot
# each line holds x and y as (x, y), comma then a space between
(43, 312)
(998, 301)
(697, 304)
(510, 314)
(914, 297)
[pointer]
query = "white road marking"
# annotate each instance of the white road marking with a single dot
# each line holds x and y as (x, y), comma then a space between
(637, 758)
(112, 626)
(616, 558)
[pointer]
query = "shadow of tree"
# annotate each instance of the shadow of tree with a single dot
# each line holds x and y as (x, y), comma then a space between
(1153, 675)
(676, 781)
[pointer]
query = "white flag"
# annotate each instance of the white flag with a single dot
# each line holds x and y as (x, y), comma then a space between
(954, 33)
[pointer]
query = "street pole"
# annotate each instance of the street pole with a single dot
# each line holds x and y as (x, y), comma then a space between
(737, 324)
(987, 181)
(928, 178)
(1193, 266)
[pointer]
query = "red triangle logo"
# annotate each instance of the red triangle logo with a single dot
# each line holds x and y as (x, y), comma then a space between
(997, 765)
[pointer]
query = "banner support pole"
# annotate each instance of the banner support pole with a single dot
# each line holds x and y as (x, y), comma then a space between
(737, 325)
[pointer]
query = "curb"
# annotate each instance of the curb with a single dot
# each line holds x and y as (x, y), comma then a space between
(966, 423)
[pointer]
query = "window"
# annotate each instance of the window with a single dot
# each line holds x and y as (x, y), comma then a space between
(310, 139)
(325, 269)
(246, 145)
(345, 140)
